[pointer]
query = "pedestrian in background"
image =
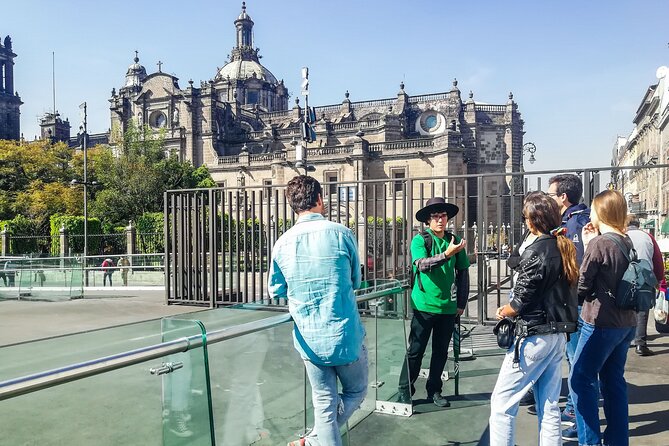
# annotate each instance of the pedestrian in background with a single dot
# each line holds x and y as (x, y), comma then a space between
(124, 266)
(107, 270)
(646, 248)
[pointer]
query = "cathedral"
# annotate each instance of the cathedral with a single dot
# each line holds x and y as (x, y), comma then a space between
(10, 125)
(241, 126)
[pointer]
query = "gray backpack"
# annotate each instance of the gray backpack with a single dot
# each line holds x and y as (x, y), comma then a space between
(638, 287)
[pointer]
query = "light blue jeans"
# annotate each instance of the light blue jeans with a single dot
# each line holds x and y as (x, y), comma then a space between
(571, 351)
(603, 352)
(540, 366)
(332, 409)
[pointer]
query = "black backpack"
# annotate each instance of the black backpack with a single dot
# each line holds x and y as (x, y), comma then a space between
(415, 275)
(638, 287)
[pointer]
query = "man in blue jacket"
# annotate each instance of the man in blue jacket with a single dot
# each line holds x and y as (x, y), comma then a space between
(566, 190)
(315, 266)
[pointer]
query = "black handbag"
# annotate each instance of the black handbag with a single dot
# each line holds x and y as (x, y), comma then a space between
(505, 330)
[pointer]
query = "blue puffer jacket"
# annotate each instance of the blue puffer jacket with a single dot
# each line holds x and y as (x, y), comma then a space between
(574, 218)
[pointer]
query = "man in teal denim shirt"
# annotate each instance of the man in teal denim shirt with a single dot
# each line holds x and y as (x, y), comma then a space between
(315, 265)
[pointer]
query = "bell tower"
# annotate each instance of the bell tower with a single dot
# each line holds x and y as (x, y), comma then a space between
(10, 122)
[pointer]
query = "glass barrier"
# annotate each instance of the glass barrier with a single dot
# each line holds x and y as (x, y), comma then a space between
(41, 278)
(46, 354)
(390, 313)
(186, 393)
(250, 389)
(257, 379)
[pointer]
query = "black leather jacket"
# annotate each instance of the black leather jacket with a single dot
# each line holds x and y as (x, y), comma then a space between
(541, 293)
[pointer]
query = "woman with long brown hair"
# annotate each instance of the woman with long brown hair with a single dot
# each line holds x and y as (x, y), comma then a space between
(544, 307)
(606, 330)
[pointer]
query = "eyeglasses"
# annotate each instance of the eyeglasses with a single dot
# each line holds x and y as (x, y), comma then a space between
(438, 216)
(552, 194)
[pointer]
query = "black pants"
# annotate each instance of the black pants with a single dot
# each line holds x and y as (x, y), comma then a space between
(440, 326)
(104, 279)
(641, 328)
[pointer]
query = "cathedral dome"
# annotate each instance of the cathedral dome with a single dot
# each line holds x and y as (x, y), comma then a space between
(244, 69)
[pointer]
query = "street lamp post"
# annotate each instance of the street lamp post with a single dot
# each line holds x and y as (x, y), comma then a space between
(530, 148)
(85, 184)
(84, 142)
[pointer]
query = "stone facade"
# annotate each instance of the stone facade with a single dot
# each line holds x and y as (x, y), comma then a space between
(53, 128)
(646, 188)
(240, 126)
(10, 116)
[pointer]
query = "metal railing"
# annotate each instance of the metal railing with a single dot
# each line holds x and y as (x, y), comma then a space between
(220, 240)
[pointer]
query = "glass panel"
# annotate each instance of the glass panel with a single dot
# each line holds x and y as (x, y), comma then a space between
(391, 345)
(121, 407)
(50, 279)
(187, 416)
(383, 319)
(258, 386)
(37, 356)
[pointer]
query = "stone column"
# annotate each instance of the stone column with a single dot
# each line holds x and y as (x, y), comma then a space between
(2, 77)
(5, 241)
(9, 77)
(64, 248)
(130, 235)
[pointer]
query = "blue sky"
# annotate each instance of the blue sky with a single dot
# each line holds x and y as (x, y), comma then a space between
(578, 69)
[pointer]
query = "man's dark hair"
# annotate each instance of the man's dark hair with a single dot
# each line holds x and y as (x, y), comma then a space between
(302, 193)
(633, 220)
(569, 184)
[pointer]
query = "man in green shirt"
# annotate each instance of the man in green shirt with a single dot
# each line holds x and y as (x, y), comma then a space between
(438, 297)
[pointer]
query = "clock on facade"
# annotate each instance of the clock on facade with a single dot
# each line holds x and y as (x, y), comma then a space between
(431, 122)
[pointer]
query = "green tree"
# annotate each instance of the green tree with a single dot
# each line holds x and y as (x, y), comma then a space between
(134, 179)
(34, 181)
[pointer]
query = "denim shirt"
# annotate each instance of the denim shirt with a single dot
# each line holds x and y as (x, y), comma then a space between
(315, 265)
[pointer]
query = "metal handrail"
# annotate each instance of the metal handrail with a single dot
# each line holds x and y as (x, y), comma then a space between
(50, 378)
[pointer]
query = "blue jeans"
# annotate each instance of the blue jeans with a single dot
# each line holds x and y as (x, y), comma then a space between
(540, 366)
(331, 409)
(571, 351)
(601, 352)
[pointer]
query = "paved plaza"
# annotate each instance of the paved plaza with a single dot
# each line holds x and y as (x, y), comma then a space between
(257, 381)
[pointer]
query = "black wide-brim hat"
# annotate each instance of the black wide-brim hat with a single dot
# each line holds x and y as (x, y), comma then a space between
(435, 205)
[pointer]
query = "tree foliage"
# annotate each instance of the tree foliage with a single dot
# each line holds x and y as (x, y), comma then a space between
(133, 181)
(35, 179)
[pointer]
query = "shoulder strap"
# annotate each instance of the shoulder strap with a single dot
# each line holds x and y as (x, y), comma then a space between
(427, 238)
(625, 251)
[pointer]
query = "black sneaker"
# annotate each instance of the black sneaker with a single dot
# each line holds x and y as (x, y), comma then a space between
(532, 409)
(439, 400)
(642, 350)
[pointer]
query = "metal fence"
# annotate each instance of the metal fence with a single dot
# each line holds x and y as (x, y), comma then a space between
(98, 244)
(219, 241)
